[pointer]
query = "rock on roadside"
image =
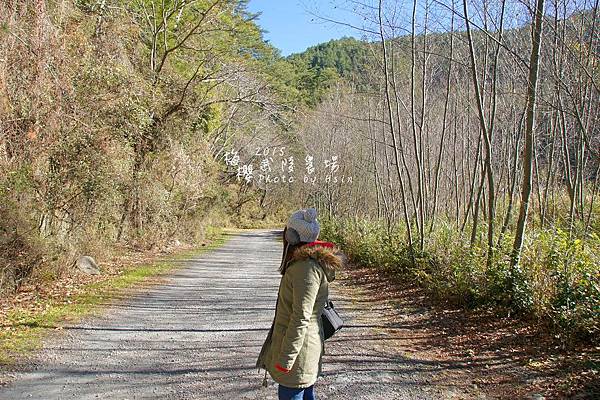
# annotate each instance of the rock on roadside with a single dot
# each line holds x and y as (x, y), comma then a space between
(87, 265)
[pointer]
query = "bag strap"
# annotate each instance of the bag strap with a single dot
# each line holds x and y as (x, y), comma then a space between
(324, 277)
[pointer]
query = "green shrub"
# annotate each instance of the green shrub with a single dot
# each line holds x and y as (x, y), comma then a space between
(565, 275)
(557, 279)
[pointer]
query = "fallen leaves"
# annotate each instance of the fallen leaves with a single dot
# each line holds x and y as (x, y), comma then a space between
(504, 357)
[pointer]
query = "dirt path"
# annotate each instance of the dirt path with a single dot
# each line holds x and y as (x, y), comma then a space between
(197, 336)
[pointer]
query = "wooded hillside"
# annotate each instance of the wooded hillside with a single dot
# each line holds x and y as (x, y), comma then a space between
(471, 136)
(115, 117)
(457, 147)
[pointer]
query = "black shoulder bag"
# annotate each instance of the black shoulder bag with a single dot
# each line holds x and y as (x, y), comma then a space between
(330, 319)
(332, 322)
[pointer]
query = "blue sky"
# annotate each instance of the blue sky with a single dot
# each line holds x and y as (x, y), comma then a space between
(291, 28)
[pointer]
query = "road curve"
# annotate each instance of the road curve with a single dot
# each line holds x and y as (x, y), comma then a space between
(197, 337)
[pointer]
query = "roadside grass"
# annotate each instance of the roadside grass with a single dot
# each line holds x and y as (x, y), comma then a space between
(24, 329)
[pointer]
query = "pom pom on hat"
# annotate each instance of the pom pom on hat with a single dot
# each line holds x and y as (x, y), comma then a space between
(305, 225)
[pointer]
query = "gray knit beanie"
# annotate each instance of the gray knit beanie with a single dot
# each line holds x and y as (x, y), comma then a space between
(303, 226)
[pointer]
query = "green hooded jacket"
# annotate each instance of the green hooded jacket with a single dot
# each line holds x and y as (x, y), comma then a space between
(296, 342)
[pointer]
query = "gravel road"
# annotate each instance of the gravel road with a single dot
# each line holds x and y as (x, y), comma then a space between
(197, 337)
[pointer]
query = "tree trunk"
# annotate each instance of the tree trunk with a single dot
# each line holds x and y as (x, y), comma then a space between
(529, 130)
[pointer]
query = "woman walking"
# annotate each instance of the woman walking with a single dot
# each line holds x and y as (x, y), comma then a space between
(293, 350)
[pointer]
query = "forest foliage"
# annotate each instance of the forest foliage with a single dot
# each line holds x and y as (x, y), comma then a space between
(114, 119)
(476, 158)
(456, 146)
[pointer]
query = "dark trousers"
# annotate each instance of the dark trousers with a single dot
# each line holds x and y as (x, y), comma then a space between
(286, 393)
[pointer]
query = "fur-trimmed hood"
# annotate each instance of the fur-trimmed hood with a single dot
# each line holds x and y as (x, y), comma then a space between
(325, 256)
